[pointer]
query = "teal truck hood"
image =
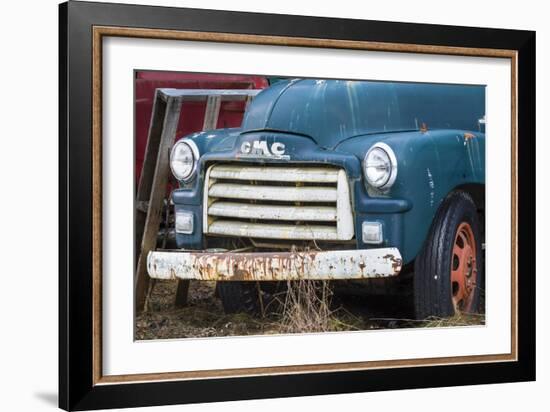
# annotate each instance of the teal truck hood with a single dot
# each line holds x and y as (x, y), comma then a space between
(331, 111)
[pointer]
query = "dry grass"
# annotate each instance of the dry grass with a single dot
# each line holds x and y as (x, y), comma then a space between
(203, 317)
(307, 307)
(460, 319)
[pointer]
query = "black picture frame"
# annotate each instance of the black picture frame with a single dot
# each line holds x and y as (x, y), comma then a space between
(77, 389)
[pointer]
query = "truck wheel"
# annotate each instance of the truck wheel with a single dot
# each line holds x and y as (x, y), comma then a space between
(448, 276)
(244, 296)
(239, 297)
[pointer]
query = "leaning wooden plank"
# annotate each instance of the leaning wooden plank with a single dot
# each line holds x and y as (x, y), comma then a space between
(212, 112)
(182, 292)
(158, 191)
(248, 100)
(148, 170)
(202, 94)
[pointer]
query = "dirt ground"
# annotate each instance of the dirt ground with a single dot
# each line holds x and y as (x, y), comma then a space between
(204, 317)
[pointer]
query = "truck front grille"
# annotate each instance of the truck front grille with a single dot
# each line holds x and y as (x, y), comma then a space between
(274, 202)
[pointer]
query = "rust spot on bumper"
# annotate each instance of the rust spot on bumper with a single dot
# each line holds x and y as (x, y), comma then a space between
(397, 262)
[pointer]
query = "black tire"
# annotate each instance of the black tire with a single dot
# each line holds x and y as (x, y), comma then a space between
(245, 296)
(434, 291)
(239, 297)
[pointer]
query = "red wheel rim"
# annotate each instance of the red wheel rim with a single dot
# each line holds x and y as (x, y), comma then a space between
(464, 269)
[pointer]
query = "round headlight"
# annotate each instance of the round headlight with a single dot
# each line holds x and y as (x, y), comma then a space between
(183, 159)
(380, 166)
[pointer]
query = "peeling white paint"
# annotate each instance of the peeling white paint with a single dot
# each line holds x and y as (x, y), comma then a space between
(430, 179)
(341, 264)
(345, 226)
(269, 174)
(226, 186)
(272, 231)
(431, 183)
(278, 193)
(273, 212)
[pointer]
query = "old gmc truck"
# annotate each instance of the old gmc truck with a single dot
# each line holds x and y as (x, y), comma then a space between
(333, 180)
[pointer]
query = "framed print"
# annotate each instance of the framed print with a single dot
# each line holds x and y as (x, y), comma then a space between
(257, 206)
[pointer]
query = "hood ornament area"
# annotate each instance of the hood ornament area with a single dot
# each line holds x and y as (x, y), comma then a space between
(259, 149)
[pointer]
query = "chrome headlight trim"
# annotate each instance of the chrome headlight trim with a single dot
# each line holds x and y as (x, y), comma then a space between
(195, 153)
(392, 175)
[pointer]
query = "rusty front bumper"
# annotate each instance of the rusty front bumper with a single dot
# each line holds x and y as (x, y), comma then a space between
(329, 265)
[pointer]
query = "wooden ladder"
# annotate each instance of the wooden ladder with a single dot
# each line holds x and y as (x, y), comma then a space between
(156, 167)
